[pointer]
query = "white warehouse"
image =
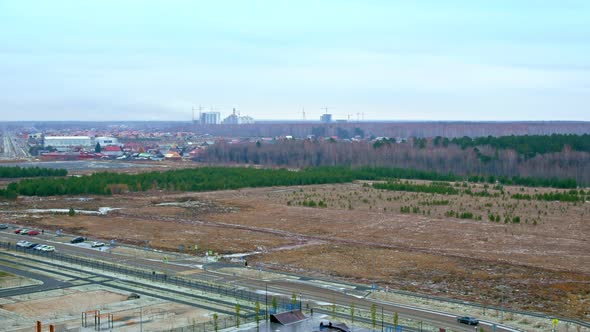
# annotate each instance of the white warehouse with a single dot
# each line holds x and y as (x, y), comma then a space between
(106, 141)
(65, 143)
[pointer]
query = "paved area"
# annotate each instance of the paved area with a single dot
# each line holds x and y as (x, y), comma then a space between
(48, 283)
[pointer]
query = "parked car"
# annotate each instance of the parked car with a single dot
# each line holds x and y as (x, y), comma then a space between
(40, 247)
(3, 226)
(97, 244)
(33, 232)
(19, 230)
(78, 239)
(468, 320)
(32, 245)
(23, 243)
(48, 248)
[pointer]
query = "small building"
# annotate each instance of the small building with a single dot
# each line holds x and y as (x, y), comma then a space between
(35, 136)
(112, 151)
(172, 156)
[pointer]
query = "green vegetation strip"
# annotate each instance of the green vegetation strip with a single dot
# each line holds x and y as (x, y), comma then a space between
(27, 172)
(569, 196)
(220, 178)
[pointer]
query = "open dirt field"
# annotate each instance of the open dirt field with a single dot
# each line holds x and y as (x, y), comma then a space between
(543, 261)
(64, 308)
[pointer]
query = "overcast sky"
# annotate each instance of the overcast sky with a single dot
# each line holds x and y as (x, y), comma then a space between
(391, 60)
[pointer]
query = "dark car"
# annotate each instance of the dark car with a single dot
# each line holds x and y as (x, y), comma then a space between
(468, 320)
(78, 239)
(32, 245)
(3, 226)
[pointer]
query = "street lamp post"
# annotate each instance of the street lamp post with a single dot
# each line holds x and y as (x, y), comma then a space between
(140, 319)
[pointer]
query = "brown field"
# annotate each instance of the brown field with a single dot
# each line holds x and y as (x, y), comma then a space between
(543, 261)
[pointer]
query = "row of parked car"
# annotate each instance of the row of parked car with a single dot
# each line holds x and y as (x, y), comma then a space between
(26, 231)
(34, 246)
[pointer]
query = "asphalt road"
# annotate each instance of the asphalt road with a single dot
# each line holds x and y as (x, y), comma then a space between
(48, 283)
(309, 291)
(13, 149)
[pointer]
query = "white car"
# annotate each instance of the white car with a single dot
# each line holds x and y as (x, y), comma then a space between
(47, 248)
(97, 244)
(23, 244)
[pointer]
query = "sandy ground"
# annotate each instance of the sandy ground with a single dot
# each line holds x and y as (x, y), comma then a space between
(59, 306)
(64, 309)
(543, 261)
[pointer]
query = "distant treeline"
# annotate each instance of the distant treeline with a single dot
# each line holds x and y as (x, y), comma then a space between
(528, 146)
(26, 172)
(498, 157)
(219, 178)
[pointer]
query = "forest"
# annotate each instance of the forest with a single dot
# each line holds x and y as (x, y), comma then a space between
(564, 157)
(220, 178)
(26, 172)
(529, 146)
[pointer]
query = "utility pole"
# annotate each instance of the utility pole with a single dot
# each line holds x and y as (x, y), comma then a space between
(502, 298)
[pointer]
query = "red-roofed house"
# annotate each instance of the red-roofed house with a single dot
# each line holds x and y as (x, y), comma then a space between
(112, 151)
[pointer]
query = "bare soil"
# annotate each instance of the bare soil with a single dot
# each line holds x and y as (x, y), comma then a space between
(543, 261)
(49, 307)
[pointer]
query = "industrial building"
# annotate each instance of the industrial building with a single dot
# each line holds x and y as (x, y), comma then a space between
(326, 118)
(106, 141)
(236, 119)
(210, 118)
(69, 143)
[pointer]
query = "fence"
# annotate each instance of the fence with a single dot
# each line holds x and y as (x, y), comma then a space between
(285, 303)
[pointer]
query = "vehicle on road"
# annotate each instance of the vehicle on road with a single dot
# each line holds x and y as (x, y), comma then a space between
(468, 320)
(19, 230)
(97, 244)
(3, 226)
(40, 247)
(32, 245)
(33, 232)
(78, 239)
